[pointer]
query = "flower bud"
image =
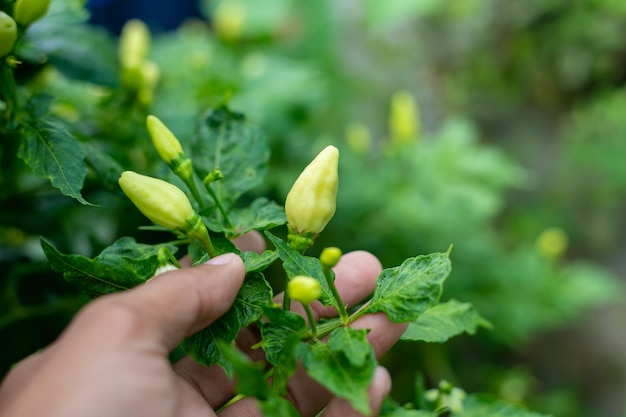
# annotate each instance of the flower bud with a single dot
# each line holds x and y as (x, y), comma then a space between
(403, 120)
(134, 44)
(162, 202)
(28, 11)
(304, 289)
(8, 34)
(164, 141)
(330, 257)
(359, 138)
(229, 20)
(552, 242)
(311, 202)
(148, 78)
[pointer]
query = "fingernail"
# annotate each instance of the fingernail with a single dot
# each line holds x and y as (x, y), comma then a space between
(221, 259)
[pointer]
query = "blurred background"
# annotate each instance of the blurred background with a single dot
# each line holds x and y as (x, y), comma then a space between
(497, 127)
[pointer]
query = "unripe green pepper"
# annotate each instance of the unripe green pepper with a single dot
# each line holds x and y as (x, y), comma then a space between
(312, 200)
(162, 202)
(164, 141)
(330, 257)
(8, 33)
(29, 11)
(304, 289)
(166, 205)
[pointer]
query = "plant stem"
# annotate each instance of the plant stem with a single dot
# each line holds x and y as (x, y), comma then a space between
(197, 230)
(330, 280)
(219, 205)
(206, 243)
(8, 91)
(309, 316)
(286, 299)
(174, 260)
(195, 192)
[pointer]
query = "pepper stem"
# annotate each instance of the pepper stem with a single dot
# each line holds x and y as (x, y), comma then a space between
(330, 280)
(198, 231)
(309, 316)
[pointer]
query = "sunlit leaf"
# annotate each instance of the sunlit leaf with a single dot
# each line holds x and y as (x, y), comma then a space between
(335, 371)
(119, 267)
(443, 321)
(404, 292)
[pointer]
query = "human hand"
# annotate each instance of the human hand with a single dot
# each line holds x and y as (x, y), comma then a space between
(112, 360)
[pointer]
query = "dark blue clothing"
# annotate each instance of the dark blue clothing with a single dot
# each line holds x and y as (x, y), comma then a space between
(159, 15)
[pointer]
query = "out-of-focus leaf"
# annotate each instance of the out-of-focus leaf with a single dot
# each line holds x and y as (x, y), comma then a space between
(79, 51)
(482, 406)
(250, 375)
(330, 365)
(443, 321)
(107, 168)
(251, 382)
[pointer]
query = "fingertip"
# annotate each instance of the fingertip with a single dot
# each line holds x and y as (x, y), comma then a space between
(229, 261)
(363, 259)
(223, 259)
(250, 242)
(381, 383)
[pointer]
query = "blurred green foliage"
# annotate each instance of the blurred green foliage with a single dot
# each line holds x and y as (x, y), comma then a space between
(516, 127)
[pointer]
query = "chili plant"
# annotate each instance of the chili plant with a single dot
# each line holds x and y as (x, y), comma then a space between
(201, 200)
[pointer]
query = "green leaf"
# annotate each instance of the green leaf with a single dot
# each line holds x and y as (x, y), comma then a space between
(251, 382)
(443, 321)
(352, 342)
(250, 375)
(107, 168)
(483, 405)
(262, 214)
(239, 150)
(279, 407)
(253, 297)
(403, 412)
(280, 337)
(119, 267)
(82, 52)
(257, 262)
(338, 373)
(404, 292)
(392, 408)
(39, 105)
(54, 153)
(294, 263)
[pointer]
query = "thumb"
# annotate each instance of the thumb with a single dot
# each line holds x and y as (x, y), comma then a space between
(169, 307)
